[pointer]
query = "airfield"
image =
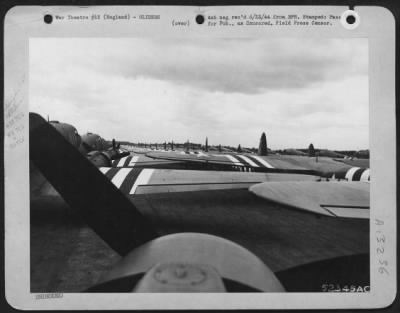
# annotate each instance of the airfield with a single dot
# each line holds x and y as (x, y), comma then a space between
(67, 256)
(305, 217)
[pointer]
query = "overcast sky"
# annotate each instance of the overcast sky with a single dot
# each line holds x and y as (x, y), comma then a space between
(297, 91)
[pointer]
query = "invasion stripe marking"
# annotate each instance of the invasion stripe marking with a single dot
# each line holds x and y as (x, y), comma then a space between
(262, 161)
(255, 161)
(246, 159)
(130, 180)
(350, 173)
(358, 173)
(365, 176)
(120, 176)
(233, 159)
(111, 173)
(104, 170)
(133, 161)
(129, 158)
(122, 161)
(142, 179)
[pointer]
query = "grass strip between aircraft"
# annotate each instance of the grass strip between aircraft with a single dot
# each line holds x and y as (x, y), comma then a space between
(112, 215)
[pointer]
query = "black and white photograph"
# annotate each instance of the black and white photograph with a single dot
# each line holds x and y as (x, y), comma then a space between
(247, 160)
(192, 162)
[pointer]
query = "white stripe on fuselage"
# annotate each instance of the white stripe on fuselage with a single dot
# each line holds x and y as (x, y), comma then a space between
(142, 179)
(262, 161)
(365, 175)
(133, 161)
(246, 159)
(233, 159)
(104, 170)
(122, 161)
(350, 173)
(119, 178)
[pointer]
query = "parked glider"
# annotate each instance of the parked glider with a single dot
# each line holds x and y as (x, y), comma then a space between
(185, 262)
(324, 167)
(136, 174)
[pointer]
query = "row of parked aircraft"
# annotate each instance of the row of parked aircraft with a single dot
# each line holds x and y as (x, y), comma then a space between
(112, 175)
(190, 148)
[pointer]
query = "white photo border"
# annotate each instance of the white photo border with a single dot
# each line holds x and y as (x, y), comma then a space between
(377, 24)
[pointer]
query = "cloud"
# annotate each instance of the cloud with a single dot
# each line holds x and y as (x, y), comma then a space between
(298, 91)
(239, 66)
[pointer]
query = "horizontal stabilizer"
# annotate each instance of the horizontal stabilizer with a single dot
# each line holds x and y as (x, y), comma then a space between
(335, 199)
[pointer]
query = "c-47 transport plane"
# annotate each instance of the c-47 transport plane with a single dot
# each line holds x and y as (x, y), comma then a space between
(271, 230)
